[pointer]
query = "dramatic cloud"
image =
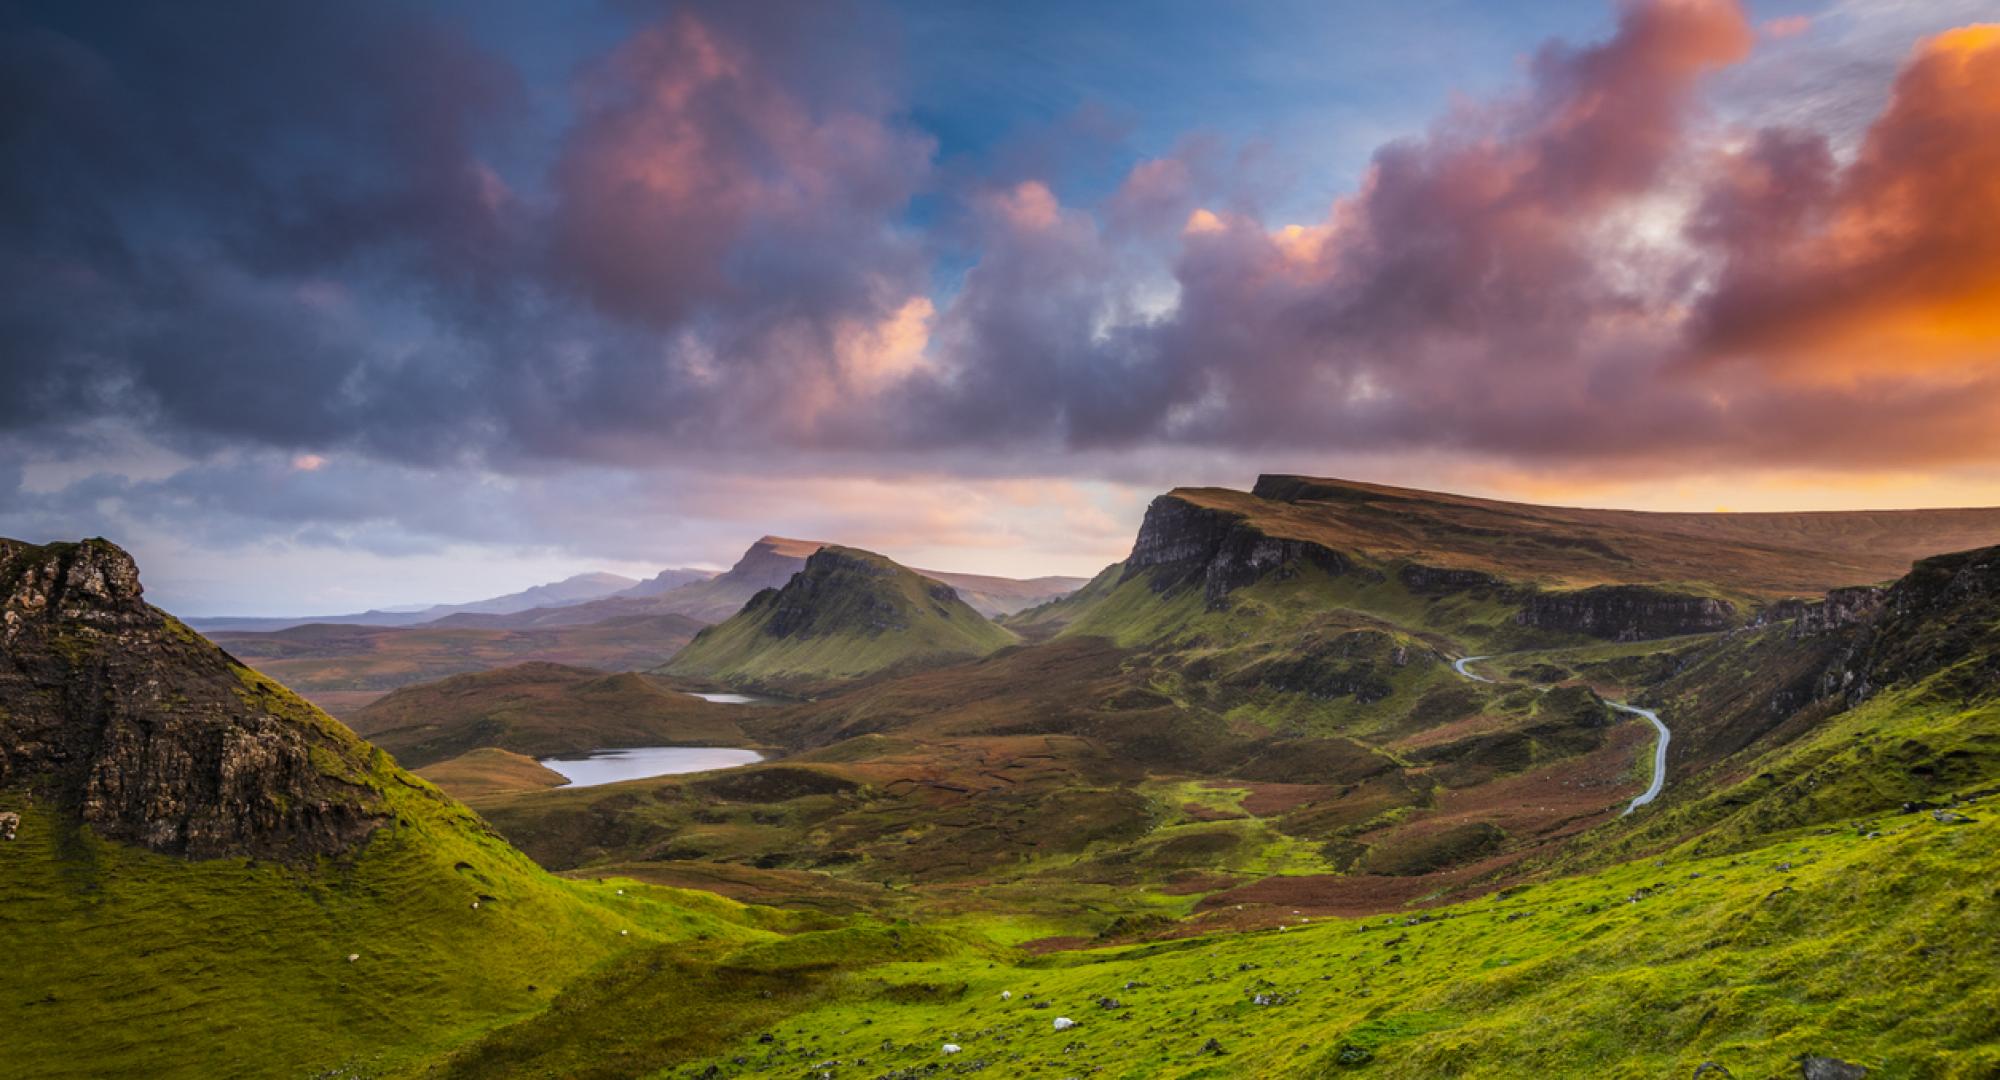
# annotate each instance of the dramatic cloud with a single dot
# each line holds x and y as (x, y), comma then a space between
(275, 265)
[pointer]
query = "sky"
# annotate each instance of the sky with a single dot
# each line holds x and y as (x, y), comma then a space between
(324, 307)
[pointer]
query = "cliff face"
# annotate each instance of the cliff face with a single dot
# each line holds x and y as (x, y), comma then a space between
(1943, 615)
(1626, 613)
(1184, 543)
(148, 733)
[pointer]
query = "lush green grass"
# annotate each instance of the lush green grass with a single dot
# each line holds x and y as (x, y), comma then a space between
(1879, 951)
(121, 962)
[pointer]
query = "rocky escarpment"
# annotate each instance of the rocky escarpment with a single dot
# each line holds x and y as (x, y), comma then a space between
(1626, 613)
(145, 732)
(1183, 543)
(1944, 615)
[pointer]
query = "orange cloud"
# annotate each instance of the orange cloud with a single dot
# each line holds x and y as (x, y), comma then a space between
(1890, 267)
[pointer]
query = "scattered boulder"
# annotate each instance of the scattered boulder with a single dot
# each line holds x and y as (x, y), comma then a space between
(952, 1048)
(1942, 817)
(1708, 1067)
(1064, 1023)
(9, 824)
(1211, 1047)
(1827, 1068)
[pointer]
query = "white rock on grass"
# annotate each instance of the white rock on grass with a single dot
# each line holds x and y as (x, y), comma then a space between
(1006, 995)
(353, 956)
(1064, 1023)
(951, 1048)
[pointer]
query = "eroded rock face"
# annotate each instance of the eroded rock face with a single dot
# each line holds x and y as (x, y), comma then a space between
(150, 734)
(1626, 613)
(1942, 615)
(1220, 550)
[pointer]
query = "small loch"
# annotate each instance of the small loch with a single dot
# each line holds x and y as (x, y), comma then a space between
(613, 766)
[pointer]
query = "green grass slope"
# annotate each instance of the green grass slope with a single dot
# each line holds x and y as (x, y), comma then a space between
(210, 877)
(849, 615)
(1874, 949)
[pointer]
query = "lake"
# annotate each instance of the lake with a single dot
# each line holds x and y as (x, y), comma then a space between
(640, 762)
(737, 699)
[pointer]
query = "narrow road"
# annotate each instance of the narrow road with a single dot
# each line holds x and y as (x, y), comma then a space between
(1458, 665)
(1659, 751)
(1659, 754)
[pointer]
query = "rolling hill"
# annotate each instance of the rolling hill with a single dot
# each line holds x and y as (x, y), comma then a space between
(320, 658)
(847, 615)
(540, 710)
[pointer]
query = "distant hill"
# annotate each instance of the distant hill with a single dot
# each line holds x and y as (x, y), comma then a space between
(767, 564)
(570, 590)
(540, 710)
(322, 656)
(849, 614)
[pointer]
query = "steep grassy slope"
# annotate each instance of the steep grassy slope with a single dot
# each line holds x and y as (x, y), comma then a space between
(541, 710)
(211, 878)
(319, 658)
(848, 615)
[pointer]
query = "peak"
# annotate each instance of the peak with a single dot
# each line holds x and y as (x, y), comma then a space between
(785, 545)
(152, 734)
(65, 579)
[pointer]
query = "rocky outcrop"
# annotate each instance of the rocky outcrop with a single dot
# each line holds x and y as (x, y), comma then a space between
(1626, 613)
(145, 732)
(1841, 609)
(1443, 580)
(1940, 616)
(1183, 543)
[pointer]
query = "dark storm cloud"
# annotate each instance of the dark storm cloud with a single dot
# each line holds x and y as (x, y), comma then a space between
(282, 227)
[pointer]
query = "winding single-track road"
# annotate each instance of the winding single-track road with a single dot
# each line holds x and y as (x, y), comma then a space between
(1659, 751)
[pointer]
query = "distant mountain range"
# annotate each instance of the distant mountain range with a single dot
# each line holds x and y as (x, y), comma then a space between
(768, 564)
(703, 595)
(570, 590)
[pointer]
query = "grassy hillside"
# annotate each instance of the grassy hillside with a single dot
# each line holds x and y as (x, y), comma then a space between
(540, 710)
(210, 877)
(848, 615)
(1871, 949)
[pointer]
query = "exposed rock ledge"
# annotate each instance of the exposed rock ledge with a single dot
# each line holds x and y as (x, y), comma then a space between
(1626, 612)
(1217, 548)
(135, 726)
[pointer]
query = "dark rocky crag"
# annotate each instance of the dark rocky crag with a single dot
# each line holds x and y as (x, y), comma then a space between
(1181, 543)
(1626, 613)
(145, 732)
